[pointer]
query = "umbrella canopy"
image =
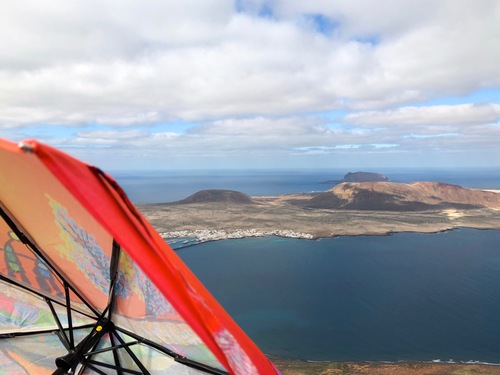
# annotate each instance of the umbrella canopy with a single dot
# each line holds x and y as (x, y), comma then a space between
(87, 286)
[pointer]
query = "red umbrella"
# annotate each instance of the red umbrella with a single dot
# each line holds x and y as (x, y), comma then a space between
(89, 287)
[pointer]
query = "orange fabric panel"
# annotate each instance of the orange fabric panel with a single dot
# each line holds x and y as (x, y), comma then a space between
(57, 223)
(104, 201)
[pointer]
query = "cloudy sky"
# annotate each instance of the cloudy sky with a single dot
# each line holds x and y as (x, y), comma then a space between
(169, 84)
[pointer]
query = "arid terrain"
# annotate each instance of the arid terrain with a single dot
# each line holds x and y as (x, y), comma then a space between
(348, 209)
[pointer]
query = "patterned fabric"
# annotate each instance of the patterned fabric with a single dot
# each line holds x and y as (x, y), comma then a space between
(70, 215)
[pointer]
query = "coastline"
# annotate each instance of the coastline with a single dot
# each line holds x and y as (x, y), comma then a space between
(218, 220)
(295, 367)
(221, 220)
(208, 235)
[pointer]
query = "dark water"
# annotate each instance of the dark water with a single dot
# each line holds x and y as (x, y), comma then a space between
(402, 297)
(168, 186)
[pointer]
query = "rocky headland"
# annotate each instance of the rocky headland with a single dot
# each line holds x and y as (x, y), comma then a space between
(359, 177)
(354, 208)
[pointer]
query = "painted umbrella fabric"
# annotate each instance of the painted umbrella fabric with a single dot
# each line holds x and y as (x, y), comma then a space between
(87, 285)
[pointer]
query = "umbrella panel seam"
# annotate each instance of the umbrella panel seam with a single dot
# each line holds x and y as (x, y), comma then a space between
(14, 226)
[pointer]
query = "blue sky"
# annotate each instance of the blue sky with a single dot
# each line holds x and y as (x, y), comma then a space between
(255, 84)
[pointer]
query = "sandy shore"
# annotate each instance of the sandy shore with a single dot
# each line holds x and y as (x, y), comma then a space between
(306, 368)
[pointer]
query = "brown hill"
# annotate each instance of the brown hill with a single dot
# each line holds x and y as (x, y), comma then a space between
(394, 196)
(226, 196)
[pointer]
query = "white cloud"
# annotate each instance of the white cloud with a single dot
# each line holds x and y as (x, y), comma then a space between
(113, 62)
(294, 135)
(447, 115)
(250, 76)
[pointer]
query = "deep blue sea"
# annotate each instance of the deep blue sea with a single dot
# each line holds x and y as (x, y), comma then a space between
(408, 296)
(411, 297)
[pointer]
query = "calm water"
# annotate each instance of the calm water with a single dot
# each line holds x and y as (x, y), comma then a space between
(401, 297)
(168, 186)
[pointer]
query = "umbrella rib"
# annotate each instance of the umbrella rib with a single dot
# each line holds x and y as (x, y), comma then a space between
(68, 313)
(113, 347)
(75, 356)
(116, 357)
(131, 354)
(177, 357)
(38, 294)
(107, 365)
(87, 357)
(114, 265)
(113, 275)
(68, 344)
(25, 240)
(24, 287)
(38, 332)
(87, 364)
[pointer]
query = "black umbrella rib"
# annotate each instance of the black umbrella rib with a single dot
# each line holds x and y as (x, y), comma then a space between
(25, 240)
(113, 347)
(113, 275)
(119, 369)
(177, 357)
(116, 357)
(41, 295)
(70, 318)
(131, 354)
(24, 287)
(39, 332)
(115, 257)
(89, 364)
(68, 344)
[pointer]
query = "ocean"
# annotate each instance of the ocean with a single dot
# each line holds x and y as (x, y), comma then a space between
(404, 297)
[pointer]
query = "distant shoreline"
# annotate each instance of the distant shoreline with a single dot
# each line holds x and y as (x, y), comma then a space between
(206, 235)
(203, 236)
(297, 367)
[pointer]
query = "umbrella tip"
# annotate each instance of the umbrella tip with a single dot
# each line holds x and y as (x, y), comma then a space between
(26, 147)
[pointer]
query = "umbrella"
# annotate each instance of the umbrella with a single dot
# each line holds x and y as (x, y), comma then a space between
(87, 286)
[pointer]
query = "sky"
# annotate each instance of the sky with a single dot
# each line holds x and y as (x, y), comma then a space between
(250, 84)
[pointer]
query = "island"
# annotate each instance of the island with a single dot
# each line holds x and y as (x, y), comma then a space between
(350, 208)
(359, 177)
